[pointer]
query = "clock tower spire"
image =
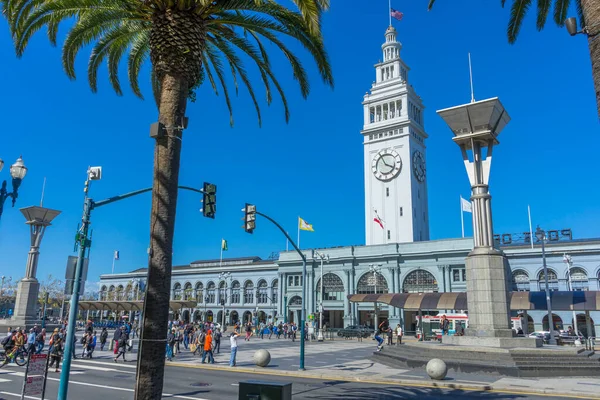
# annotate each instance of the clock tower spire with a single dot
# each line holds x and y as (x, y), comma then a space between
(394, 153)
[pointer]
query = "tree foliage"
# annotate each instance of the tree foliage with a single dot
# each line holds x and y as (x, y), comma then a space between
(520, 8)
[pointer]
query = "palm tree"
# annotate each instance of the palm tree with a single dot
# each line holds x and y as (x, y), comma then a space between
(188, 43)
(589, 18)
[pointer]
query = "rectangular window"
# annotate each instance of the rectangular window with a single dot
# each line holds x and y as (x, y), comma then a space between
(456, 275)
(401, 211)
(296, 281)
(389, 235)
(387, 192)
(464, 275)
(290, 280)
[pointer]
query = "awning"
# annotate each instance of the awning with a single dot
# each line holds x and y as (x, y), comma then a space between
(561, 301)
(130, 305)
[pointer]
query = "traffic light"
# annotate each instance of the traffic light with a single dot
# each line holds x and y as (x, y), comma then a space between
(249, 217)
(209, 200)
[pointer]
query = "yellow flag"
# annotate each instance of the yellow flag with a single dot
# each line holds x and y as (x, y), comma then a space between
(304, 226)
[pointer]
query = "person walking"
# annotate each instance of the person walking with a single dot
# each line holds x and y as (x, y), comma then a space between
(103, 337)
(234, 347)
(40, 341)
(248, 331)
(122, 341)
(390, 336)
(56, 343)
(31, 341)
(399, 334)
(115, 340)
(170, 344)
(208, 348)
(217, 337)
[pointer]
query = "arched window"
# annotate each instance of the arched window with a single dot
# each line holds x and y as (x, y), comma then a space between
(111, 293)
(210, 293)
(333, 288)
(295, 301)
(103, 293)
(552, 280)
(129, 292)
(235, 292)
(369, 283)
(177, 291)
(198, 292)
(520, 281)
(276, 291)
(248, 292)
(420, 281)
(188, 292)
(579, 279)
(262, 295)
(119, 296)
(223, 291)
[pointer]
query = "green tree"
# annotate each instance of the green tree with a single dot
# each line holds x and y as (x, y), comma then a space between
(589, 19)
(54, 288)
(187, 42)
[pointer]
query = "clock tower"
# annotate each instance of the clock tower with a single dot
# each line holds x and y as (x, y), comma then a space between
(395, 164)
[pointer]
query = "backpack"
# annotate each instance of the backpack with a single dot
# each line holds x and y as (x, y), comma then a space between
(39, 337)
(6, 340)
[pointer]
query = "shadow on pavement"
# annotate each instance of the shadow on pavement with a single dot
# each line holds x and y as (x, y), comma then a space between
(390, 393)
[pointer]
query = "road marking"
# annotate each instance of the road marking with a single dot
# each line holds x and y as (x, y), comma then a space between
(321, 362)
(5, 380)
(93, 367)
(125, 389)
(235, 384)
(114, 364)
(18, 395)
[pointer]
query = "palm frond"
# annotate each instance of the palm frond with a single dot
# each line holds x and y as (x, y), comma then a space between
(543, 7)
(517, 13)
(561, 9)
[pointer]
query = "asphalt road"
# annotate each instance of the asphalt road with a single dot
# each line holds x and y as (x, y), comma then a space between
(101, 379)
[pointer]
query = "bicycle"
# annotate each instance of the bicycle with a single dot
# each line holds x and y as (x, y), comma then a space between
(19, 356)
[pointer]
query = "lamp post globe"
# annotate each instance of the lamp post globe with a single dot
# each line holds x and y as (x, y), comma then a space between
(18, 170)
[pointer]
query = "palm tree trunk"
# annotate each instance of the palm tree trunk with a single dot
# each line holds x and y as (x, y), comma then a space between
(167, 152)
(591, 14)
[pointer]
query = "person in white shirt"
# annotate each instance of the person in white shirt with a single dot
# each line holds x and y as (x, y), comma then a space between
(399, 333)
(234, 346)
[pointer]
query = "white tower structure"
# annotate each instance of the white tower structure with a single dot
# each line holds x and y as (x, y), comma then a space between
(395, 162)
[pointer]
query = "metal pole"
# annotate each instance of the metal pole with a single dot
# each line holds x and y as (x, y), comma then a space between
(320, 337)
(44, 312)
(548, 301)
(303, 316)
(376, 316)
(569, 262)
(83, 245)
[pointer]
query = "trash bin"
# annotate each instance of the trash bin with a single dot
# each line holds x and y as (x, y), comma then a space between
(264, 390)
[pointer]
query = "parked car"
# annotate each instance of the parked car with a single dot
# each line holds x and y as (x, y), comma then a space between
(544, 335)
(355, 331)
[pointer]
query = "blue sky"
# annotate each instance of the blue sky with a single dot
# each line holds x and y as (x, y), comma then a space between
(313, 166)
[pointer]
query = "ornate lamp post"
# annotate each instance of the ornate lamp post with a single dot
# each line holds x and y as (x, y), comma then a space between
(224, 276)
(541, 236)
(17, 172)
(476, 127)
(323, 257)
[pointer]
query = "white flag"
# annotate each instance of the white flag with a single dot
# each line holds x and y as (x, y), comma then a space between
(466, 205)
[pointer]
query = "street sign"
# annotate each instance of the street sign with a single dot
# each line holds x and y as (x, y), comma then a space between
(70, 275)
(34, 382)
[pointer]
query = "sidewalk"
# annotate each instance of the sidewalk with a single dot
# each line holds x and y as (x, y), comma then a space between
(349, 361)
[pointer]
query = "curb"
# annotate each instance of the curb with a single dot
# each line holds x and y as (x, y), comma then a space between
(391, 381)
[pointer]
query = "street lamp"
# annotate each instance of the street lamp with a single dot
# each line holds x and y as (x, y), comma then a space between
(571, 25)
(17, 171)
(375, 269)
(321, 305)
(541, 236)
(224, 276)
(569, 261)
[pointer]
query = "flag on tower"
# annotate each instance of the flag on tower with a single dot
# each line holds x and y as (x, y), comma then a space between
(466, 205)
(117, 255)
(378, 219)
(304, 226)
(396, 14)
(224, 245)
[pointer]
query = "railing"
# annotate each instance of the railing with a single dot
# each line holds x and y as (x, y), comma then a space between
(590, 343)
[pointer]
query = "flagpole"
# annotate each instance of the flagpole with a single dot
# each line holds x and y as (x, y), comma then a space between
(462, 217)
(390, 11)
(530, 228)
(221, 259)
(113, 266)
(287, 244)
(298, 232)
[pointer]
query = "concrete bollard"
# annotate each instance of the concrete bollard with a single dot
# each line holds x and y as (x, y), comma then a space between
(262, 358)
(436, 369)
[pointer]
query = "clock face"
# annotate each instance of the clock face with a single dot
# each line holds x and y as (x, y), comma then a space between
(419, 165)
(386, 165)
